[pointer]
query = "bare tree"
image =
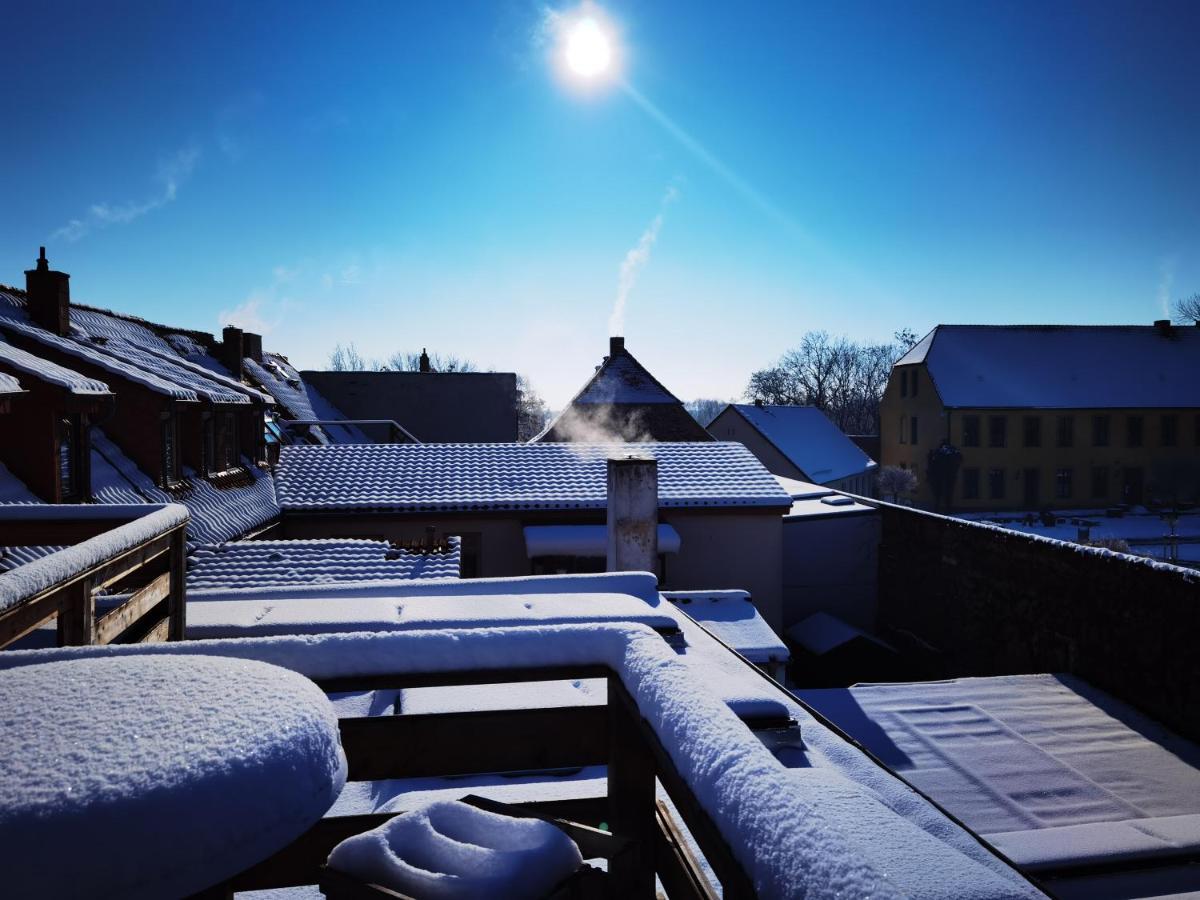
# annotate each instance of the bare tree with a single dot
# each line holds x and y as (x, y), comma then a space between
(704, 410)
(532, 413)
(347, 359)
(895, 482)
(842, 378)
(411, 362)
(1187, 309)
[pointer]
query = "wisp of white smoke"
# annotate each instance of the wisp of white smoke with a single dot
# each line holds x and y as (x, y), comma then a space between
(633, 263)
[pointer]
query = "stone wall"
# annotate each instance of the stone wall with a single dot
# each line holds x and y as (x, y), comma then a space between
(995, 602)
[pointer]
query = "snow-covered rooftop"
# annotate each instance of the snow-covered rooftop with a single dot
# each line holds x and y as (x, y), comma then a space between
(461, 477)
(301, 400)
(1062, 366)
(1053, 772)
(806, 437)
(732, 617)
(9, 385)
(44, 370)
(252, 564)
(622, 379)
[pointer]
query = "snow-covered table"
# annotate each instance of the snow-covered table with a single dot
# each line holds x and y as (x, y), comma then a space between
(156, 776)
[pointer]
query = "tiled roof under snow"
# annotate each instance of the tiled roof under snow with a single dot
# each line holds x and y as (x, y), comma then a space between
(1062, 366)
(172, 368)
(253, 564)
(93, 355)
(219, 514)
(300, 400)
(416, 477)
(622, 379)
(44, 370)
(805, 436)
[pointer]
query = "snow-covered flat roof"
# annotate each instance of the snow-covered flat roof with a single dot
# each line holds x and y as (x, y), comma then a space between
(732, 617)
(1053, 772)
(806, 437)
(248, 564)
(465, 477)
(1062, 366)
(49, 372)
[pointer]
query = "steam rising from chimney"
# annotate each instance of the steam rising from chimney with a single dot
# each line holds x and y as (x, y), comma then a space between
(635, 260)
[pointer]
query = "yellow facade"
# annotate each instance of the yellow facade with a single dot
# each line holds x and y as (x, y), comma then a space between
(1030, 458)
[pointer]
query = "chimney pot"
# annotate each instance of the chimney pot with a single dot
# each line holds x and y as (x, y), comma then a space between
(616, 345)
(233, 349)
(424, 364)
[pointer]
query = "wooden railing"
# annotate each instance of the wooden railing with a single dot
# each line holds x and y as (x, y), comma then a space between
(135, 553)
(643, 838)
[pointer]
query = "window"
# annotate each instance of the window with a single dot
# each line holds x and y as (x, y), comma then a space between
(209, 445)
(1032, 431)
(68, 461)
(913, 423)
(229, 441)
(904, 382)
(1169, 431)
(915, 382)
(970, 485)
(170, 454)
(996, 484)
(1099, 431)
(902, 440)
(1062, 484)
(1099, 481)
(1065, 432)
(997, 431)
(1133, 431)
(970, 431)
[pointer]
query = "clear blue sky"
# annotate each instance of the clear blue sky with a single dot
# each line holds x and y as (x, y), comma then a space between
(404, 175)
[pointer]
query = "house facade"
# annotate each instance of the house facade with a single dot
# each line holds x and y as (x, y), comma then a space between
(1037, 417)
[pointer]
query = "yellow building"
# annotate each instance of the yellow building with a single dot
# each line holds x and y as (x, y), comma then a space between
(1054, 416)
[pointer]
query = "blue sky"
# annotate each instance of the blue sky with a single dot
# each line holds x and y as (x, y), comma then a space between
(406, 175)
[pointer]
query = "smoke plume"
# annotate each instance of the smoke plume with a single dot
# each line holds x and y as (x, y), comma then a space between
(635, 260)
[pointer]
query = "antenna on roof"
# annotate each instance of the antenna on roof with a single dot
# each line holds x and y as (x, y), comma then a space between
(43, 264)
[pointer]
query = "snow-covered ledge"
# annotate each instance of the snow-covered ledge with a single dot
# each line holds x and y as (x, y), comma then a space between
(791, 837)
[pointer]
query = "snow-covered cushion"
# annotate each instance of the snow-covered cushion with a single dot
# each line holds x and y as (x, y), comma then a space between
(156, 776)
(450, 850)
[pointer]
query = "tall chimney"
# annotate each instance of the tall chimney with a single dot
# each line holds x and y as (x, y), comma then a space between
(233, 349)
(616, 345)
(49, 296)
(632, 513)
(252, 346)
(1163, 327)
(424, 362)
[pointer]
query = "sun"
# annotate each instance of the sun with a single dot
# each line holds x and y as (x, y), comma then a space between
(588, 50)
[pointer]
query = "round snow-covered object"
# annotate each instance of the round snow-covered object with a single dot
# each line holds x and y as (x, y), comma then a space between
(156, 776)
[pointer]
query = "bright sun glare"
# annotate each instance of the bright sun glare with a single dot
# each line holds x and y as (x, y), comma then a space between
(588, 50)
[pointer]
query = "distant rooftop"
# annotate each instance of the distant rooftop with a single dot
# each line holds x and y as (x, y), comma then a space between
(808, 439)
(1062, 366)
(415, 477)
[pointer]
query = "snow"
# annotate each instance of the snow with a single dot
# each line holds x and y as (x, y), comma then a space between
(822, 632)
(36, 576)
(584, 540)
(1050, 770)
(806, 437)
(8, 384)
(244, 618)
(425, 477)
(732, 617)
(218, 513)
(13, 489)
(170, 367)
(247, 564)
(300, 400)
(94, 356)
(158, 776)
(44, 370)
(787, 835)
(448, 849)
(1062, 366)
(622, 379)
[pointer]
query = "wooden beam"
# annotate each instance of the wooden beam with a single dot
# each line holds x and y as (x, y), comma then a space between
(53, 533)
(157, 633)
(17, 621)
(444, 679)
(119, 566)
(592, 842)
(678, 869)
(177, 607)
(630, 796)
(77, 614)
(415, 746)
(141, 602)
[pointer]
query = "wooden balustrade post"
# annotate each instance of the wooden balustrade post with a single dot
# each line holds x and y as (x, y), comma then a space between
(177, 602)
(631, 800)
(77, 615)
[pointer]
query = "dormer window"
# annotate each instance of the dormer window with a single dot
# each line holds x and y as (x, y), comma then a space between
(70, 478)
(169, 438)
(220, 434)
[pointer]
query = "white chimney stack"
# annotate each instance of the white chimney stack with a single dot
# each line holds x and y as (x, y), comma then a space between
(632, 513)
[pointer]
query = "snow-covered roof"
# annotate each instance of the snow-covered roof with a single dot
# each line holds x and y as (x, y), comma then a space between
(44, 370)
(622, 379)
(821, 632)
(462, 477)
(806, 437)
(218, 513)
(733, 617)
(171, 368)
(1062, 366)
(300, 400)
(10, 385)
(1053, 772)
(246, 564)
(93, 355)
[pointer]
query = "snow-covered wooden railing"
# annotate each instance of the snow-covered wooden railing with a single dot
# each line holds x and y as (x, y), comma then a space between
(134, 550)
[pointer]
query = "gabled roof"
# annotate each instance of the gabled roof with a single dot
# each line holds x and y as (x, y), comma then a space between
(464, 477)
(813, 444)
(623, 401)
(44, 370)
(1062, 366)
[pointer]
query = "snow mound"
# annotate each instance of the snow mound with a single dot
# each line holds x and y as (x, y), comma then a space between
(450, 849)
(163, 775)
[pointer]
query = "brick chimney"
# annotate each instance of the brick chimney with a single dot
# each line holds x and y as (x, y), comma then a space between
(233, 349)
(49, 296)
(252, 346)
(616, 345)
